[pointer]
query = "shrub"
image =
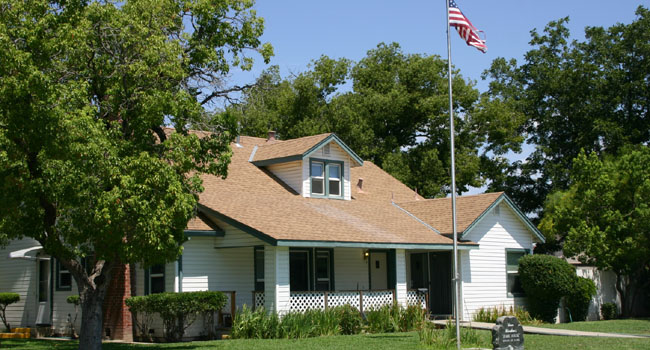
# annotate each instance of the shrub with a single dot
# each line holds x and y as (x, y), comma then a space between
(445, 338)
(350, 320)
(383, 320)
(142, 315)
(257, 324)
(76, 301)
(545, 279)
(608, 310)
(5, 300)
(178, 311)
(578, 300)
(490, 315)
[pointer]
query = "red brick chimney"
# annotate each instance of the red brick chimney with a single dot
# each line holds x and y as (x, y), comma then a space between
(117, 317)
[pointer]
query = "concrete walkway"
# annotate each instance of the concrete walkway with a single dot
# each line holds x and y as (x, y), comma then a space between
(545, 331)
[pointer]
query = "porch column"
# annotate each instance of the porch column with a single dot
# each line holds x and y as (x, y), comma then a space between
(400, 277)
(276, 279)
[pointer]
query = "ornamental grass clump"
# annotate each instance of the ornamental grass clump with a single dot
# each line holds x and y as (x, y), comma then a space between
(490, 315)
(445, 338)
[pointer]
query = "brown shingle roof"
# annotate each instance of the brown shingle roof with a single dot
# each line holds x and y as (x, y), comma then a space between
(281, 149)
(251, 197)
(437, 212)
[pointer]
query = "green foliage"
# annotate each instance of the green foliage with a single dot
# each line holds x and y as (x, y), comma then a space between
(350, 319)
(445, 338)
(395, 115)
(608, 311)
(86, 168)
(578, 300)
(604, 217)
(591, 94)
(314, 323)
(178, 311)
(5, 300)
(545, 279)
(490, 315)
(73, 299)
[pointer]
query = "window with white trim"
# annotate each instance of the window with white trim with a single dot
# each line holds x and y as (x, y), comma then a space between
(512, 272)
(326, 178)
(156, 279)
(323, 269)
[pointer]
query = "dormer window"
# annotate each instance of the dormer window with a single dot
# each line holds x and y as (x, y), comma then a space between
(326, 178)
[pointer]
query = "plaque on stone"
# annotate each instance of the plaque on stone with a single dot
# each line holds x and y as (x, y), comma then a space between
(508, 334)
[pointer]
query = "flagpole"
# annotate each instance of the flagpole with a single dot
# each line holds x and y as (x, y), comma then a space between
(453, 185)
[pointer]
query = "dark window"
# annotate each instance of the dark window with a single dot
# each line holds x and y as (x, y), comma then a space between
(259, 269)
(63, 277)
(334, 179)
(299, 270)
(157, 279)
(512, 271)
(43, 273)
(323, 270)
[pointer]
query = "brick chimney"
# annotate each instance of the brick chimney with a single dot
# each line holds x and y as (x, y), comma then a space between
(271, 136)
(117, 317)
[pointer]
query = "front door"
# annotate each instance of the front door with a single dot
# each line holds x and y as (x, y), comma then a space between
(440, 295)
(43, 313)
(378, 270)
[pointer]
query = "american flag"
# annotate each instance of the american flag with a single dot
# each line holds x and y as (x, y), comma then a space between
(465, 29)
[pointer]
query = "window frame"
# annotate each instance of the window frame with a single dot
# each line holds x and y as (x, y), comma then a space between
(514, 273)
(326, 163)
(330, 269)
(61, 270)
(148, 276)
(258, 283)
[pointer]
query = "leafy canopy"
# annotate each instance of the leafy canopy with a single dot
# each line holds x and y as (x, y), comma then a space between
(571, 95)
(391, 108)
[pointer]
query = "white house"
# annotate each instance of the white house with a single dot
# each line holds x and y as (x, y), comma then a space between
(301, 224)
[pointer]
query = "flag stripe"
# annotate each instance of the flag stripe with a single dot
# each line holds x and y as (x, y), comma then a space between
(464, 27)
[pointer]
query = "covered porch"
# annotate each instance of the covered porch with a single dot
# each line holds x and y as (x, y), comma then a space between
(296, 279)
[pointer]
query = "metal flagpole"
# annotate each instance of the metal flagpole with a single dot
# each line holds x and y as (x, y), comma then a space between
(453, 185)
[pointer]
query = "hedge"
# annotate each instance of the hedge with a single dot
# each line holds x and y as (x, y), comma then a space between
(5, 300)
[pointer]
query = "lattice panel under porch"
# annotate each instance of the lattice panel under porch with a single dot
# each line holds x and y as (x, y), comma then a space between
(414, 297)
(335, 299)
(259, 300)
(303, 301)
(373, 300)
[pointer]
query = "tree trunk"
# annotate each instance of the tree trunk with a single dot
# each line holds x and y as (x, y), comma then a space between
(92, 301)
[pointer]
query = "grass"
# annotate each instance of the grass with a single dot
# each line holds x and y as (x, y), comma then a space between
(388, 341)
(640, 326)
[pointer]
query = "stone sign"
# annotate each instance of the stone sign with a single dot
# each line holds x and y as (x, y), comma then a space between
(508, 334)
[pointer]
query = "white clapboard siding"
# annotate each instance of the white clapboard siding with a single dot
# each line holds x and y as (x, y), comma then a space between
(483, 270)
(61, 309)
(19, 276)
(336, 153)
(233, 237)
(350, 269)
(290, 173)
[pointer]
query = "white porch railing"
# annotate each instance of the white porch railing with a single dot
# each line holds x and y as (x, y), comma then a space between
(359, 299)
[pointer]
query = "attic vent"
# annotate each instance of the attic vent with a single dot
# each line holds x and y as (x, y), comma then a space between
(326, 149)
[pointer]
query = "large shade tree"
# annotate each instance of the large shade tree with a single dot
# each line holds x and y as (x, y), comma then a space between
(568, 95)
(391, 108)
(604, 218)
(86, 167)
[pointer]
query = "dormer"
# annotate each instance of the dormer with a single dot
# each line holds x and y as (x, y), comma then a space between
(313, 166)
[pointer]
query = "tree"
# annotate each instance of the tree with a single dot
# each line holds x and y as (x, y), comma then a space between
(87, 169)
(592, 94)
(391, 108)
(604, 218)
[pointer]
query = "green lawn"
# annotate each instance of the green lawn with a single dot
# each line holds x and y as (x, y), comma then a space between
(627, 326)
(393, 341)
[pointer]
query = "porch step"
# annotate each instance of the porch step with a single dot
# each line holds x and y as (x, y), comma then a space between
(17, 333)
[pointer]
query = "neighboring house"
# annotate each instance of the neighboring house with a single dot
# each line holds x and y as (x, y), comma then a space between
(303, 223)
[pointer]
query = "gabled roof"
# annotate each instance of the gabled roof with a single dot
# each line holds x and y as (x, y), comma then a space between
(277, 151)
(261, 205)
(469, 212)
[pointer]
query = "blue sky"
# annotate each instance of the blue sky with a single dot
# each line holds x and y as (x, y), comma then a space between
(302, 30)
